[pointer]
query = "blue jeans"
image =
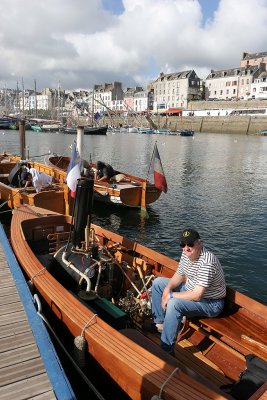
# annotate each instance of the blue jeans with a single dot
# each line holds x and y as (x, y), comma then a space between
(176, 309)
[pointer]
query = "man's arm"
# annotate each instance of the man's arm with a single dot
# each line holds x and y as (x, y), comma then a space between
(175, 281)
(194, 295)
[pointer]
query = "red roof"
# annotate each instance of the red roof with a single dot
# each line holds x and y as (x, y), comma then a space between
(174, 110)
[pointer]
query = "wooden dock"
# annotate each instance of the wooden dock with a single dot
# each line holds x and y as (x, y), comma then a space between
(29, 366)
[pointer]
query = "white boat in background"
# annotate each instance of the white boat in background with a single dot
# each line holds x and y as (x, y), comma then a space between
(133, 130)
(163, 131)
(51, 127)
(146, 130)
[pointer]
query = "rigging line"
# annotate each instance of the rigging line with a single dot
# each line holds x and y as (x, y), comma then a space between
(42, 155)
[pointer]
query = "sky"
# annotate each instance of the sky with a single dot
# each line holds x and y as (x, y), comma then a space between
(79, 43)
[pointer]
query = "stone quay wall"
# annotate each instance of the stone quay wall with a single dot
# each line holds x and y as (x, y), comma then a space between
(248, 125)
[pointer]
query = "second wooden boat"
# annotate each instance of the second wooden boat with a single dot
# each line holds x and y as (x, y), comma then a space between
(131, 191)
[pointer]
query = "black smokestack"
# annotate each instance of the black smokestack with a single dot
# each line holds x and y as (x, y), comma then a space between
(82, 209)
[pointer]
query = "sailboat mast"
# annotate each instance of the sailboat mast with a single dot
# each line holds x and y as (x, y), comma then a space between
(93, 107)
(35, 94)
(58, 101)
(17, 101)
(23, 97)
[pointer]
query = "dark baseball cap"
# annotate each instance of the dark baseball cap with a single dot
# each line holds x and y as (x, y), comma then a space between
(189, 236)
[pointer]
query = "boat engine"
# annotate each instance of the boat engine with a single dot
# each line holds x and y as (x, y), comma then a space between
(91, 267)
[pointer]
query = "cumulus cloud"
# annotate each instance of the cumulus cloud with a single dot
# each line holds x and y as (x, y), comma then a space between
(82, 43)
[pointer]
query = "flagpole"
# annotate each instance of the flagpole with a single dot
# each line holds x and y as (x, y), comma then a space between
(151, 160)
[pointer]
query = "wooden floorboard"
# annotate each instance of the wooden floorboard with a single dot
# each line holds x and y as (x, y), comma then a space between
(22, 371)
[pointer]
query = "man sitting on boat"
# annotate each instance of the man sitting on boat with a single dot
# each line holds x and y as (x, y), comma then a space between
(196, 289)
(37, 179)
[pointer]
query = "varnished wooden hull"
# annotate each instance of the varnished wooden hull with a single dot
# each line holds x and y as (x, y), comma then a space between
(123, 193)
(130, 358)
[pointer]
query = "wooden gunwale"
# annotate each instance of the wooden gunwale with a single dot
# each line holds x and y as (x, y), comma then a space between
(137, 370)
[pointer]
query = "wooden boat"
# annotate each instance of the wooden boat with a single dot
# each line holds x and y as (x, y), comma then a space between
(88, 130)
(131, 192)
(106, 308)
(54, 198)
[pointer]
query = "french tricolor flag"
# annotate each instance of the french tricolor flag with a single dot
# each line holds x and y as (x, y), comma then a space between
(159, 177)
(74, 170)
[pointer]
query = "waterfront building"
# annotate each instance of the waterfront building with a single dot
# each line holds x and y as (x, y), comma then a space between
(129, 97)
(141, 101)
(251, 59)
(108, 96)
(234, 83)
(175, 90)
(259, 87)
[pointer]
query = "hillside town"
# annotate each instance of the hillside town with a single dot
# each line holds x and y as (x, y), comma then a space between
(169, 93)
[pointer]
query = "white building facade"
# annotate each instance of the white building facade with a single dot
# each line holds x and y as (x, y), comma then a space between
(232, 83)
(175, 90)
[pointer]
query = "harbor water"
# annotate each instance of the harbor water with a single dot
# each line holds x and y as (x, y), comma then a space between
(217, 184)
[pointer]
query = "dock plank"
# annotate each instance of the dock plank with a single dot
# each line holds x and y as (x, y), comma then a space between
(22, 371)
(14, 329)
(27, 388)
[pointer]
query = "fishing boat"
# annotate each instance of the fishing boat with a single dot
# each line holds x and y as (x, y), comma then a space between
(97, 284)
(128, 190)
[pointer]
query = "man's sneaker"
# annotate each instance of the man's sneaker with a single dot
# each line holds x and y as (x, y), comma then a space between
(150, 326)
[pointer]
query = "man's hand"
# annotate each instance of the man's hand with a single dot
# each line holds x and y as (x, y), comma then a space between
(165, 298)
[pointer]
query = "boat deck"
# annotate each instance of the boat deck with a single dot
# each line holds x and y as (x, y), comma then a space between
(29, 367)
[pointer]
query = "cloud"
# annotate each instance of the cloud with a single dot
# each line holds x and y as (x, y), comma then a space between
(82, 43)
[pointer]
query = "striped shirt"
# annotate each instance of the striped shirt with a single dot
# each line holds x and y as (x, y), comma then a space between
(206, 271)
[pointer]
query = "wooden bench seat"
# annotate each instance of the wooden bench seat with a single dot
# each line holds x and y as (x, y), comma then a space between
(240, 328)
(197, 368)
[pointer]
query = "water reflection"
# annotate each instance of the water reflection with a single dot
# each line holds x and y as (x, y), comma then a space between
(133, 223)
